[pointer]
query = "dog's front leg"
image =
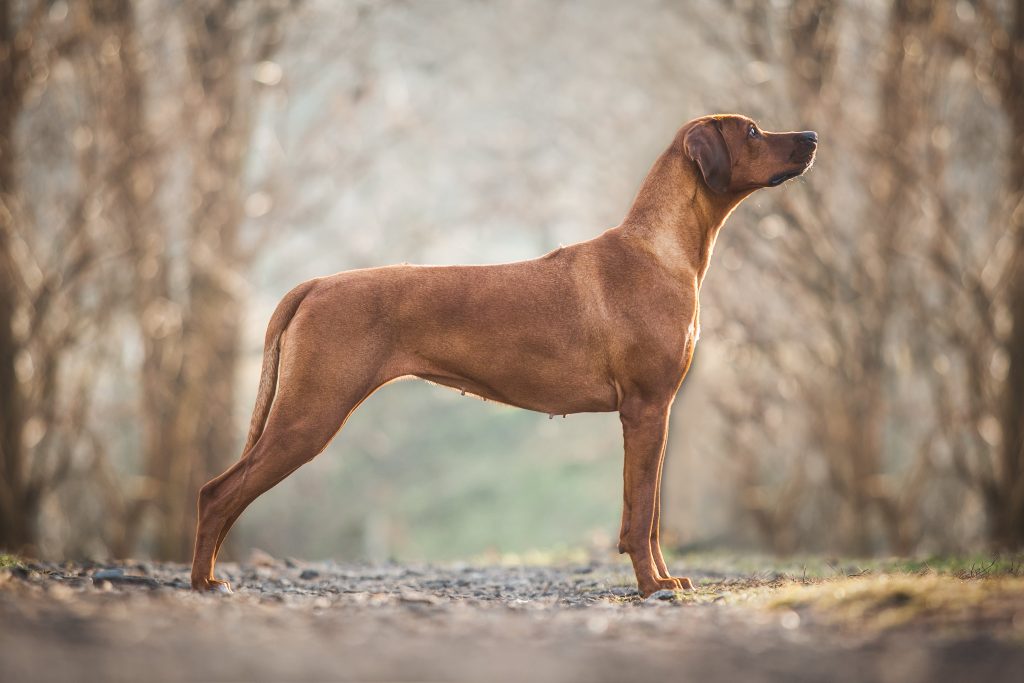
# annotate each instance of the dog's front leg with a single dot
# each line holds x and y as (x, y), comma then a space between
(659, 559)
(644, 431)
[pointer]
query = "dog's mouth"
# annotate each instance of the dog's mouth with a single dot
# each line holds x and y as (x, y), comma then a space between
(780, 178)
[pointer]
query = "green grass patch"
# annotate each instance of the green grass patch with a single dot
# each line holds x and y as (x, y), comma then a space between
(8, 561)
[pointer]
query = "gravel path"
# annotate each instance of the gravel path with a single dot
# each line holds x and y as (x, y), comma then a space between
(325, 621)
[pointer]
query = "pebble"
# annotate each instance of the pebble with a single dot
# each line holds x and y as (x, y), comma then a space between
(261, 558)
(116, 576)
(663, 594)
(415, 597)
(19, 573)
(110, 573)
(332, 586)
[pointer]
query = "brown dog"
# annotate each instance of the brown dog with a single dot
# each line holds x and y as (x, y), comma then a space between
(603, 325)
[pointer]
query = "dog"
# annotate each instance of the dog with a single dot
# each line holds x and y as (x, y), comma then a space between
(604, 325)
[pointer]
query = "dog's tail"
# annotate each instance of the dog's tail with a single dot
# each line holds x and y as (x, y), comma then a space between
(271, 357)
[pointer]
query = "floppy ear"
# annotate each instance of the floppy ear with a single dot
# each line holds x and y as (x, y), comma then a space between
(705, 144)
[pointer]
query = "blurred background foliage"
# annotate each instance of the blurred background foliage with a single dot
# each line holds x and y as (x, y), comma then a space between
(169, 169)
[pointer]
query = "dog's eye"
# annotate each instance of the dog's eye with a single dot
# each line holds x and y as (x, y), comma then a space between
(753, 132)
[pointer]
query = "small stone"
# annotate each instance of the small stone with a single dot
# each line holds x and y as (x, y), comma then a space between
(116, 575)
(261, 558)
(417, 598)
(663, 594)
(20, 572)
(109, 573)
(59, 591)
(597, 625)
(309, 574)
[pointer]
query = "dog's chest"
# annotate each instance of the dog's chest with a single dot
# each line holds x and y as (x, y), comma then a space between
(693, 331)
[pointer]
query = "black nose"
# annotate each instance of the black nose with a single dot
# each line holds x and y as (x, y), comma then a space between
(807, 136)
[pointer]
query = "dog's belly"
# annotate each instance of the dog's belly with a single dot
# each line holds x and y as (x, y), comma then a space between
(528, 365)
(519, 334)
(532, 392)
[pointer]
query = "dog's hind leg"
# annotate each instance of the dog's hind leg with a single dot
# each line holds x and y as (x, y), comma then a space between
(314, 398)
(287, 443)
(297, 430)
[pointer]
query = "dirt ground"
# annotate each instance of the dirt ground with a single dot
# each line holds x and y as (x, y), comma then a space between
(295, 621)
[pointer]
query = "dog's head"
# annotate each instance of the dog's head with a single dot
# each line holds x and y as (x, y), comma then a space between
(735, 156)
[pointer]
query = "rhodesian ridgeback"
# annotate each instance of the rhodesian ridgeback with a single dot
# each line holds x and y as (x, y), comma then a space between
(603, 325)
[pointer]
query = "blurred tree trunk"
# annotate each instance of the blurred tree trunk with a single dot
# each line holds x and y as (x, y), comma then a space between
(191, 339)
(898, 142)
(852, 276)
(1009, 519)
(224, 41)
(44, 307)
(14, 527)
(858, 451)
(218, 121)
(854, 415)
(132, 176)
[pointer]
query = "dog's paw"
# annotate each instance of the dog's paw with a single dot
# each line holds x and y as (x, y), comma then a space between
(670, 584)
(212, 586)
(663, 594)
(682, 583)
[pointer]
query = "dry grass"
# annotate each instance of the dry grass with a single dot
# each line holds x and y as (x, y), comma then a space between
(880, 602)
(947, 594)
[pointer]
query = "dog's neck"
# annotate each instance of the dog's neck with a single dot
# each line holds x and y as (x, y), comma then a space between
(676, 217)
